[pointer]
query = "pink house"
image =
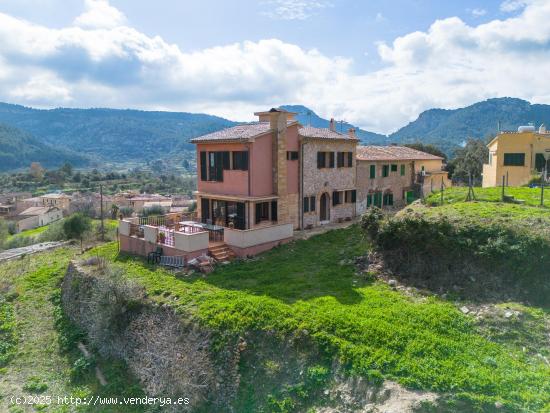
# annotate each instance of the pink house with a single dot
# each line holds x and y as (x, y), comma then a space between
(256, 183)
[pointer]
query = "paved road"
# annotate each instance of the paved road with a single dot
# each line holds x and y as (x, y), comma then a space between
(30, 249)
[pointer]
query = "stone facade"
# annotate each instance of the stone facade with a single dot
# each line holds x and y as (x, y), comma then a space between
(317, 182)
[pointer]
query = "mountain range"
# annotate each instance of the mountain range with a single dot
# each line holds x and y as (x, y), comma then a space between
(99, 136)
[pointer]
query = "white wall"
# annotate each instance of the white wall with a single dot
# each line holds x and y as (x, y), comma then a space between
(191, 242)
(257, 236)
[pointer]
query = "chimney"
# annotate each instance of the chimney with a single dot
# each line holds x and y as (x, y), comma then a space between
(351, 133)
(278, 124)
(332, 126)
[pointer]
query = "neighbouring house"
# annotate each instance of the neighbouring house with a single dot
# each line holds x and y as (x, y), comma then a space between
(10, 203)
(396, 175)
(139, 202)
(38, 216)
(515, 157)
(59, 200)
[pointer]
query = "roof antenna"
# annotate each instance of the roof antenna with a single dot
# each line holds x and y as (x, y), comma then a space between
(308, 113)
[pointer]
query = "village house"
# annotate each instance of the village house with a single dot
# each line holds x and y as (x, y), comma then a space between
(37, 216)
(396, 175)
(58, 200)
(516, 157)
(143, 201)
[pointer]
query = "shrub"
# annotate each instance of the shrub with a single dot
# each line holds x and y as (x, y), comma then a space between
(126, 212)
(153, 210)
(370, 221)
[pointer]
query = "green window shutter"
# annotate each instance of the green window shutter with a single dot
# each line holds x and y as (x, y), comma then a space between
(385, 171)
(312, 203)
(372, 171)
(394, 167)
(204, 175)
(306, 204)
(514, 159)
(402, 170)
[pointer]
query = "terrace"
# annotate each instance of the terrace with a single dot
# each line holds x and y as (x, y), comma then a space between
(182, 235)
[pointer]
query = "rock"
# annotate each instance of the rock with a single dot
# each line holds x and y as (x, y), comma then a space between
(465, 309)
(498, 405)
(326, 392)
(392, 283)
(508, 314)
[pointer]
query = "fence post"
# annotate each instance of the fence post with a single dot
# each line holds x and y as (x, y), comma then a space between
(503, 181)
(542, 190)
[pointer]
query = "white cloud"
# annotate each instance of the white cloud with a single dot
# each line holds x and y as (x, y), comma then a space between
(477, 12)
(100, 14)
(509, 6)
(452, 64)
(379, 18)
(294, 9)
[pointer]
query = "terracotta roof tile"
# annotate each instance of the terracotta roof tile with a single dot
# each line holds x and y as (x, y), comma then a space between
(239, 133)
(323, 133)
(388, 153)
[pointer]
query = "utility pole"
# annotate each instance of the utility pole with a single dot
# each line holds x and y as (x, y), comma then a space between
(542, 181)
(101, 207)
(503, 181)
(441, 191)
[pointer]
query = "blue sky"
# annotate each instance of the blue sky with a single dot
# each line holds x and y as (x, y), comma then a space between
(375, 63)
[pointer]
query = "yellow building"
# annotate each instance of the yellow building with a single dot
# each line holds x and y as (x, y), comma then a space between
(517, 156)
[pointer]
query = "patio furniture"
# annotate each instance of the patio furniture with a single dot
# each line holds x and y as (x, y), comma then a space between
(154, 256)
(175, 262)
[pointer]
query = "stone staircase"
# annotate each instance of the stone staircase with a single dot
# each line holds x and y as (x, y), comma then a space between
(221, 252)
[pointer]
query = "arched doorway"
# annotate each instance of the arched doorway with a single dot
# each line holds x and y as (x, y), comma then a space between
(324, 208)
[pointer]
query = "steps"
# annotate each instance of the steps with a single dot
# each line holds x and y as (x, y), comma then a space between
(221, 252)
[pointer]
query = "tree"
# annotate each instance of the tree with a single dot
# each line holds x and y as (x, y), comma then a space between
(469, 161)
(67, 169)
(37, 171)
(428, 148)
(76, 226)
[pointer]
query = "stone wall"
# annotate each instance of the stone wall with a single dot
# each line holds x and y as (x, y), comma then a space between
(326, 180)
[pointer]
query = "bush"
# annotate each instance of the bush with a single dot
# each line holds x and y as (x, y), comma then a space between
(55, 232)
(126, 212)
(153, 210)
(370, 221)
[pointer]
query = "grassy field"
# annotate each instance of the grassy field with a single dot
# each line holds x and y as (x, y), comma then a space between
(38, 353)
(420, 341)
(29, 233)
(531, 196)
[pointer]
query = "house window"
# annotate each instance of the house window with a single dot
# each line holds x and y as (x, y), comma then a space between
(336, 198)
(321, 160)
(217, 162)
(292, 155)
(402, 170)
(204, 166)
(514, 159)
(351, 196)
(372, 174)
(394, 167)
(262, 212)
(340, 159)
(388, 199)
(385, 171)
(306, 204)
(240, 160)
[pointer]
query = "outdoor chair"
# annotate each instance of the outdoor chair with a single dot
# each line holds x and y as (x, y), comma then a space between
(154, 256)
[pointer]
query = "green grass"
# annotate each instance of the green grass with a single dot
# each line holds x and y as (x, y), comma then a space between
(422, 342)
(41, 343)
(531, 196)
(29, 233)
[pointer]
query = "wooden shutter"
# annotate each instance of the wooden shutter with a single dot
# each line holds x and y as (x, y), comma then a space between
(353, 196)
(306, 204)
(372, 171)
(204, 174)
(225, 160)
(312, 204)
(331, 158)
(240, 221)
(320, 160)
(335, 198)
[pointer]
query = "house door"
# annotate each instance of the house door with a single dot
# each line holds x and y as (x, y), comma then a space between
(324, 209)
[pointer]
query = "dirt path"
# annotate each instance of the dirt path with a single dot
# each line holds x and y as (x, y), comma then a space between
(30, 249)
